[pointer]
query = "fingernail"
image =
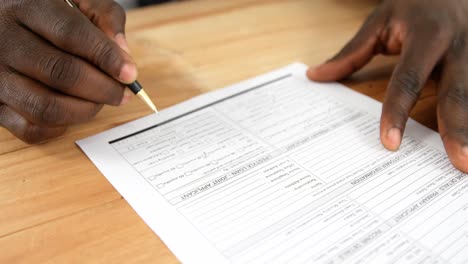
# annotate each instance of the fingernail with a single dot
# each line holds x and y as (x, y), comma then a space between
(314, 68)
(394, 138)
(311, 72)
(318, 66)
(122, 42)
(128, 73)
(126, 97)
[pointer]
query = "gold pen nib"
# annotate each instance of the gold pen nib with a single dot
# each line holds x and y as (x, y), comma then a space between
(144, 96)
(71, 3)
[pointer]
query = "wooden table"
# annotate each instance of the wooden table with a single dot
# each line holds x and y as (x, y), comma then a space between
(57, 207)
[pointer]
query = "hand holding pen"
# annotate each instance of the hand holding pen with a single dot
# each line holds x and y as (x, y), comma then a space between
(135, 87)
(59, 66)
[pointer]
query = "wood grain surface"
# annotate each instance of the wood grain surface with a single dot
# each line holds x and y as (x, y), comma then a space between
(56, 207)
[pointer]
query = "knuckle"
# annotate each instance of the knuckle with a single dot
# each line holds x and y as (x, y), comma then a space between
(61, 69)
(400, 113)
(457, 94)
(458, 132)
(395, 112)
(462, 134)
(409, 83)
(17, 5)
(7, 91)
(46, 110)
(106, 56)
(64, 28)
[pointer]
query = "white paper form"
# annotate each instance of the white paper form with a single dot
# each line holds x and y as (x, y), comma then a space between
(278, 169)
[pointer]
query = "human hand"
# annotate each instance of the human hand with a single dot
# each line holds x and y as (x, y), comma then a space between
(59, 65)
(427, 33)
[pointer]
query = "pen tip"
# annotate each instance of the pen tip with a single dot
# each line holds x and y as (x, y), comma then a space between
(144, 96)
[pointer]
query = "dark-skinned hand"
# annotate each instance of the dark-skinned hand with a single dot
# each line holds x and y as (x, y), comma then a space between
(427, 34)
(59, 65)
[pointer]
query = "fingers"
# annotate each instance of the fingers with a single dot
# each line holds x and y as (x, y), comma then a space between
(357, 53)
(453, 111)
(61, 71)
(26, 130)
(40, 105)
(420, 55)
(72, 32)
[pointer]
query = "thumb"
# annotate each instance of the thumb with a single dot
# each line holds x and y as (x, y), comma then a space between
(108, 16)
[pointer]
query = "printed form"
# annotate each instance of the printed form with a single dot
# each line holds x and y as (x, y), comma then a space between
(278, 169)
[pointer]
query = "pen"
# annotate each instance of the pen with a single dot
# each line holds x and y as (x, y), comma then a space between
(135, 87)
